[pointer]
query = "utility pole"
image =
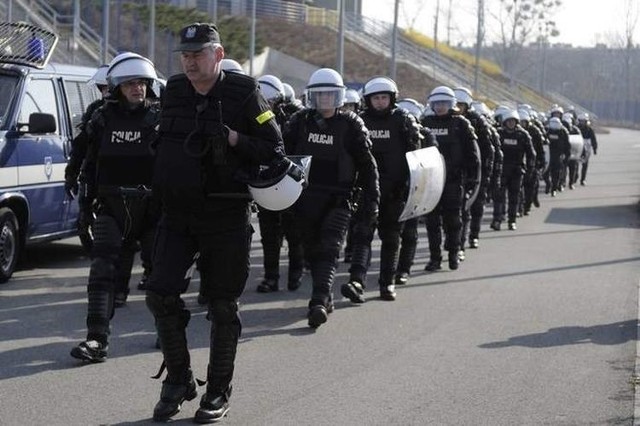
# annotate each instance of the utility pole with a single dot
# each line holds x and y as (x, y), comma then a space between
(76, 29)
(213, 10)
(252, 42)
(479, 40)
(435, 36)
(105, 31)
(152, 30)
(340, 36)
(394, 41)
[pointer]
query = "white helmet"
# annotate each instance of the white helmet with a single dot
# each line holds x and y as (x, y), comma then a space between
(130, 66)
(414, 107)
(556, 109)
(280, 185)
(555, 123)
(511, 113)
(463, 96)
(271, 88)
(229, 65)
(583, 116)
(524, 115)
(500, 109)
(380, 85)
(99, 78)
(325, 80)
(567, 117)
(351, 96)
(481, 108)
(442, 94)
(289, 93)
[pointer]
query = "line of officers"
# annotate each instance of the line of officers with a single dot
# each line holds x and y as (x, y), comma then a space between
(178, 176)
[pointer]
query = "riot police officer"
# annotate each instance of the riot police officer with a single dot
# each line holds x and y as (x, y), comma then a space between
(590, 144)
(393, 132)
(275, 225)
(559, 152)
(214, 128)
(458, 145)
(341, 150)
(531, 180)
(519, 160)
(472, 217)
(572, 161)
(119, 156)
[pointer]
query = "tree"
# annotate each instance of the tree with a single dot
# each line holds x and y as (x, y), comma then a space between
(521, 22)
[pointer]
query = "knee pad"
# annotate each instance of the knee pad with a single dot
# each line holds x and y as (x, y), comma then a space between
(102, 274)
(223, 311)
(164, 306)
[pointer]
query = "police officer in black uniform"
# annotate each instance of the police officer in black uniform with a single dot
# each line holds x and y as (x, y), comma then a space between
(531, 181)
(458, 145)
(118, 157)
(519, 160)
(572, 163)
(214, 128)
(277, 225)
(393, 132)
(591, 144)
(472, 217)
(559, 152)
(341, 149)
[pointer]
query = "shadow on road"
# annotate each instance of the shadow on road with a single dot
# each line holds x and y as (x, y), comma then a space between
(617, 216)
(606, 334)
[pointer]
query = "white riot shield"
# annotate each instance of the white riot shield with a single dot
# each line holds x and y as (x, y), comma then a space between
(547, 156)
(469, 199)
(587, 149)
(427, 171)
(577, 145)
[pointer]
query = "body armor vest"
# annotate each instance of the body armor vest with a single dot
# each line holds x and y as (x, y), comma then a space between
(124, 157)
(447, 132)
(386, 133)
(513, 146)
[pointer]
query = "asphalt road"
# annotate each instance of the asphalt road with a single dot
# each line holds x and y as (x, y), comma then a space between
(538, 326)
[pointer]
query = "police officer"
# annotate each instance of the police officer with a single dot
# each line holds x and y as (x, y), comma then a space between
(590, 144)
(559, 151)
(119, 156)
(409, 236)
(531, 181)
(275, 225)
(472, 217)
(214, 126)
(572, 163)
(519, 160)
(458, 145)
(79, 145)
(341, 149)
(393, 132)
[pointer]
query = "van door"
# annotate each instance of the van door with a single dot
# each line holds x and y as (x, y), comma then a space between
(41, 162)
(8, 161)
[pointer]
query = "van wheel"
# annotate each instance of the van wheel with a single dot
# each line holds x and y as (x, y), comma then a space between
(9, 243)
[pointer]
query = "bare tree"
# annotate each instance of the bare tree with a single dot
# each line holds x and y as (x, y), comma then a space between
(412, 12)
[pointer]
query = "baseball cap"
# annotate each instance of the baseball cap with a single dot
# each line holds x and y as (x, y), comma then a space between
(197, 36)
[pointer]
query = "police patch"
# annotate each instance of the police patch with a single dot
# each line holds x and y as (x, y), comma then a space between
(265, 116)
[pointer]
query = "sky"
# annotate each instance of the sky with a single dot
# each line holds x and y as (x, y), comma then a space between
(581, 22)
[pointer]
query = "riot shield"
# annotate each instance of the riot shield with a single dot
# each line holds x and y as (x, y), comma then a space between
(577, 145)
(588, 148)
(427, 174)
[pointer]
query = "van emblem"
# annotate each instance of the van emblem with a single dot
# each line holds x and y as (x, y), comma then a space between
(48, 167)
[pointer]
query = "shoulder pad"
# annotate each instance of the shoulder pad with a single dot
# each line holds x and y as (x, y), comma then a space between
(240, 80)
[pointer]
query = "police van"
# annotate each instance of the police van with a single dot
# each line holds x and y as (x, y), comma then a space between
(40, 107)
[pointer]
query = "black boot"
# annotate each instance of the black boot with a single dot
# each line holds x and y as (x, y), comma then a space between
(213, 406)
(268, 285)
(354, 291)
(91, 350)
(172, 396)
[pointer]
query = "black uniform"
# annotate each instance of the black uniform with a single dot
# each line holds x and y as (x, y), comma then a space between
(591, 145)
(531, 180)
(206, 214)
(393, 133)
(276, 225)
(458, 145)
(559, 151)
(473, 217)
(519, 159)
(118, 157)
(341, 150)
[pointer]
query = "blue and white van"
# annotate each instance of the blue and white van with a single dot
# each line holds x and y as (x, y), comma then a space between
(40, 107)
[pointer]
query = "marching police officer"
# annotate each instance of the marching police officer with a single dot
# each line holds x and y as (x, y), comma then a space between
(572, 163)
(393, 132)
(341, 150)
(458, 145)
(531, 181)
(214, 127)
(559, 152)
(119, 156)
(519, 159)
(274, 225)
(590, 144)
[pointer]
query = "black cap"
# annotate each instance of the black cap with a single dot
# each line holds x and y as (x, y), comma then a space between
(197, 36)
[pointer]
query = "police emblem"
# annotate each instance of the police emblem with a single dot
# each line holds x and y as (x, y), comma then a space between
(190, 33)
(48, 167)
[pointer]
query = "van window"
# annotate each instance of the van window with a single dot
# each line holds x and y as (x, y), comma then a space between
(8, 84)
(79, 96)
(40, 97)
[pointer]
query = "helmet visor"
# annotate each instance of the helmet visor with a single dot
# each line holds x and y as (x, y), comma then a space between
(325, 98)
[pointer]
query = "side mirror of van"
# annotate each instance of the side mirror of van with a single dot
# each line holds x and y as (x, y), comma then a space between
(42, 123)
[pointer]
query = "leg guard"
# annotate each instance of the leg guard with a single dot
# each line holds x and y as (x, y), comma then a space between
(408, 246)
(171, 319)
(434, 235)
(225, 332)
(390, 236)
(322, 274)
(271, 235)
(361, 236)
(100, 296)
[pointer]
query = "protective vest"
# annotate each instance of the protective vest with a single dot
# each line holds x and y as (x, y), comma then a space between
(389, 147)
(447, 132)
(332, 167)
(124, 157)
(514, 146)
(203, 164)
(558, 143)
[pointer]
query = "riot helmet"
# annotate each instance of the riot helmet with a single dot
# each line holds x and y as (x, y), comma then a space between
(500, 110)
(524, 115)
(508, 115)
(325, 82)
(351, 100)
(567, 117)
(130, 66)
(556, 111)
(99, 78)
(229, 65)
(583, 116)
(463, 96)
(555, 123)
(412, 106)
(272, 88)
(289, 93)
(380, 85)
(279, 185)
(442, 95)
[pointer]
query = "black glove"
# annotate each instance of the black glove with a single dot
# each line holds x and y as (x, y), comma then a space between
(595, 151)
(71, 187)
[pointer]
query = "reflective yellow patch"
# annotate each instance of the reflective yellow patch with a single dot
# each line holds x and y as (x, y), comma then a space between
(264, 117)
